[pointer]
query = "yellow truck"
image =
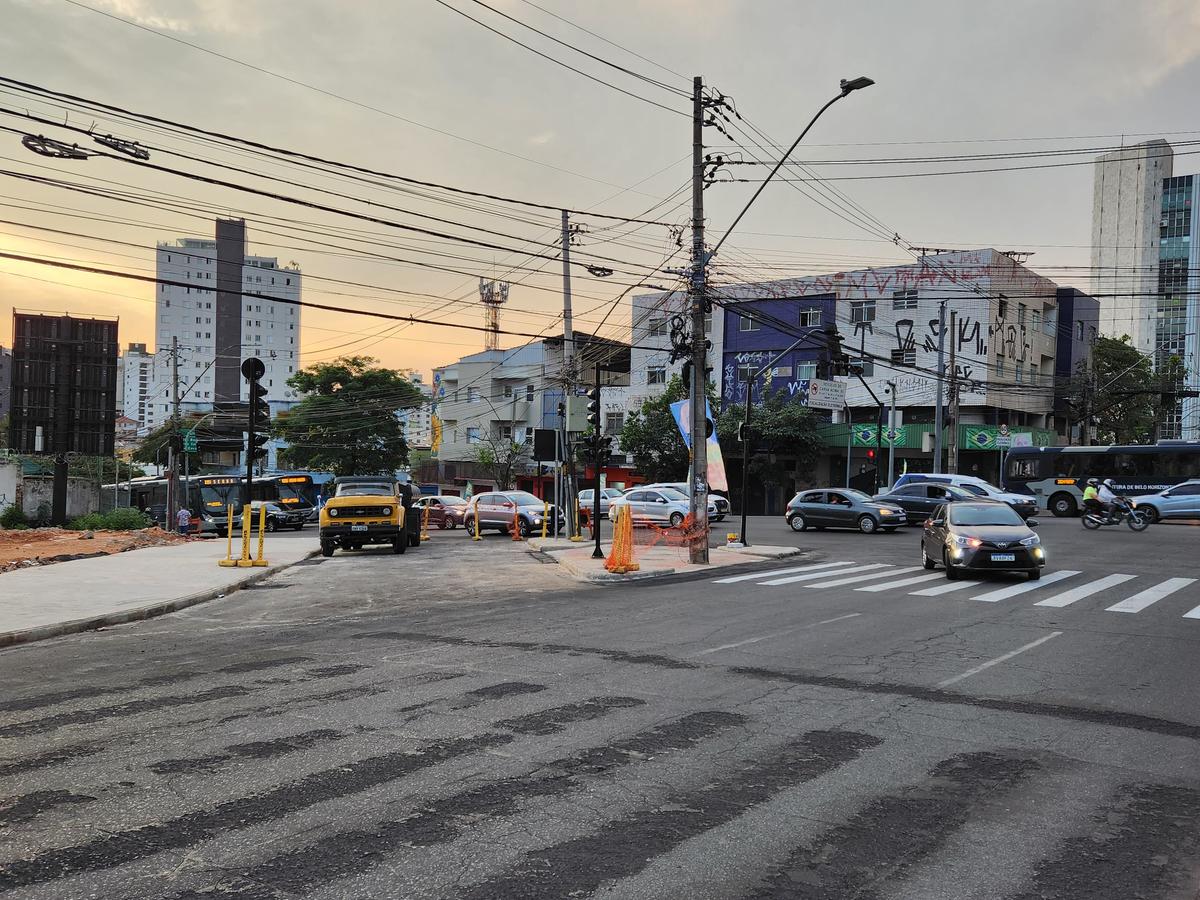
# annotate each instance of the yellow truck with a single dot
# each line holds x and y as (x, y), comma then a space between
(368, 509)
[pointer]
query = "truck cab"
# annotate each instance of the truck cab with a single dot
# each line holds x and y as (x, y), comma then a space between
(366, 509)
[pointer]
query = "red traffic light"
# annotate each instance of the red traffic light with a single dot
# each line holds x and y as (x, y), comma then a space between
(870, 454)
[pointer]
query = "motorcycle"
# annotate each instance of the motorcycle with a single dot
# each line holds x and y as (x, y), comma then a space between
(1123, 511)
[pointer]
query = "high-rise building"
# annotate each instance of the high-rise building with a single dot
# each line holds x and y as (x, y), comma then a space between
(136, 377)
(418, 421)
(5, 380)
(1146, 263)
(222, 307)
(64, 384)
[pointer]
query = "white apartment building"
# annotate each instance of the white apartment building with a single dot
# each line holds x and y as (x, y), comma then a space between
(418, 421)
(136, 376)
(650, 367)
(186, 311)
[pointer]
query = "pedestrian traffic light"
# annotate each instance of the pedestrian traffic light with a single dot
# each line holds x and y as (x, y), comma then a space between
(593, 408)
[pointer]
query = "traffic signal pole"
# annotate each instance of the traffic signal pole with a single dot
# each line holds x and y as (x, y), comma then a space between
(253, 369)
(597, 461)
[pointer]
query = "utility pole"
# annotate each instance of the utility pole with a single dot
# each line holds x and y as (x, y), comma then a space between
(939, 423)
(698, 489)
(892, 436)
(952, 453)
(568, 332)
(172, 461)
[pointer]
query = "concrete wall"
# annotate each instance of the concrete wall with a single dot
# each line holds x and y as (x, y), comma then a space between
(83, 495)
(10, 484)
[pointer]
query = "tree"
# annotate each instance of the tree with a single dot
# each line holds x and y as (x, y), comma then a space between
(785, 439)
(1120, 391)
(501, 458)
(652, 438)
(346, 423)
(153, 449)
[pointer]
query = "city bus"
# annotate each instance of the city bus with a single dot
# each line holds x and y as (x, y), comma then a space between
(1058, 475)
(209, 496)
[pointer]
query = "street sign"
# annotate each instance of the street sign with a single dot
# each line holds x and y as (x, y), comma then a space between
(189, 441)
(1004, 441)
(824, 394)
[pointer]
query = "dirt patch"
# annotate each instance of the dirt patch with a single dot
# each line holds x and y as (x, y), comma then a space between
(43, 546)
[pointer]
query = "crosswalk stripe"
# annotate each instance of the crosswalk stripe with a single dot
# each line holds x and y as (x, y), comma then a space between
(856, 578)
(942, 589)
(1192, 613)
(1142, 599)
(903, 582)
(809, 576)
(1026, 587)
(1066, 598)
(808, 568)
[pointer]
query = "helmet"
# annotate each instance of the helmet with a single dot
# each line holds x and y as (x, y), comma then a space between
(1093, 482)
(1108, 482)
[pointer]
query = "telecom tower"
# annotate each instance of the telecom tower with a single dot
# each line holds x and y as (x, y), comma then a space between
(492, 294)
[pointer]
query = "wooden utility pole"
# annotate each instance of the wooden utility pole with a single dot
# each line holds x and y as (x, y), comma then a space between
(698, 489)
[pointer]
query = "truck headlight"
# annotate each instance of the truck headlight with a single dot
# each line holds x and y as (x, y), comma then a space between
(332, 512)
(385, 510)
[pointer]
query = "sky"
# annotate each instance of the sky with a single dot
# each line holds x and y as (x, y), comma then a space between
(415, 89)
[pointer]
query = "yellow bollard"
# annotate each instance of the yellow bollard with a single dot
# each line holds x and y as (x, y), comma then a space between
(478, 535)
(262, 527)
(228, 560)
(425, 523)
(246, 561)
(578, 535)
(545, 516)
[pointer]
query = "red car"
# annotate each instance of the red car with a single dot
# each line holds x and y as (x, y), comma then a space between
(445, 511)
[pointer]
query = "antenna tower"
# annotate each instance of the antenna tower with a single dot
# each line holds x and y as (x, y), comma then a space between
(493, 295)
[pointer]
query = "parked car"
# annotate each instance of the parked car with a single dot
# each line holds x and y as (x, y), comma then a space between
(1024, 504)
(278, 516)
(985, 537)
(843, 508)
(586, 504)
(660, 504)
(919, 499)
(445, 511)
(716, 501)
(1179, 502)
(498, 509)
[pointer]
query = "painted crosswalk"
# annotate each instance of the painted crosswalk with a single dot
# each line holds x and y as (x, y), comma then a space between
(1055, 589)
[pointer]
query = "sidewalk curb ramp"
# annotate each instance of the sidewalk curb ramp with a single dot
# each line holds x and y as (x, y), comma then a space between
(552, 553)
(150, 611)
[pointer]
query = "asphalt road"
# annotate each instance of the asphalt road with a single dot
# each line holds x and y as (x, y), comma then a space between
(461, 722)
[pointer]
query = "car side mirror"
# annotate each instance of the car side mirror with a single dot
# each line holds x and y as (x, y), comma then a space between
(937, 521)
(1032, 523)
(661, 500)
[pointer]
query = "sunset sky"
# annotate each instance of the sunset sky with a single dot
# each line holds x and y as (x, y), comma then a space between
(427, 94)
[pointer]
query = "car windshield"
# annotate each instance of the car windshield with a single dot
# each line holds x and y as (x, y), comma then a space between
(853, 494)
(980, 514)
(453, 501)
(524, 498)
(672, 494)
(365, 490)
(610, 492)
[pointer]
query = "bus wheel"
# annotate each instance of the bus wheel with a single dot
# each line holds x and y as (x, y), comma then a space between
(1063, 505)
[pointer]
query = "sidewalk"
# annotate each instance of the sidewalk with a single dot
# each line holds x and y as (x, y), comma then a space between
(47, 601)
(576, 558)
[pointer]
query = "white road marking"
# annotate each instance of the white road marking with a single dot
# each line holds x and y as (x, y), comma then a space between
(999, 659)
(755, 640)
(1014, 590)
(943, 588)
(903, 582)
(807, 568)
(1142, 599)
(1066, 598)
(1192, 614)
(811, 575)
(870, 577)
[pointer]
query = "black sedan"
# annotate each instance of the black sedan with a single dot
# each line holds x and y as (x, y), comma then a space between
(983, 537)
(842, 508)
(920, 498)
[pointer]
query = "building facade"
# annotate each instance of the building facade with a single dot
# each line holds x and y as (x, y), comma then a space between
(418, 421)
(137, 378)
(64, 385)
(1146, 264)
(5, 381)
(650, 368)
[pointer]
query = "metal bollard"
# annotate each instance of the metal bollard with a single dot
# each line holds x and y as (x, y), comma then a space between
(545, 516)
(245, 561)
(262, 527)
(228, 560)
(478, 535)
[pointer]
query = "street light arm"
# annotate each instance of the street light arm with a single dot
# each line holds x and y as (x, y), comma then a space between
(779, 165)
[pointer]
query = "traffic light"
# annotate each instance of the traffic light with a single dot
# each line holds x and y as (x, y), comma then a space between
(593, 408)
(258, 422)
(260, 409)
(258, 445)
(871, 455)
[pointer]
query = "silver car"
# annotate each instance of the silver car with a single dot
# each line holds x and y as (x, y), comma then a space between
(607, 495)
(715, 501)
(657, 505)
(1179, 502)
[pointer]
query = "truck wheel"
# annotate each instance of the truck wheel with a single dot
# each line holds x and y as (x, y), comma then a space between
(414, 539)
(327, 549)
(399, 545)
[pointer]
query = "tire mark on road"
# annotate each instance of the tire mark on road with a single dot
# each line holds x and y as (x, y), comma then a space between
(865, 855)
(280, 746)
(50, 758)
(17, 810)
(448, 818)
(551, 721)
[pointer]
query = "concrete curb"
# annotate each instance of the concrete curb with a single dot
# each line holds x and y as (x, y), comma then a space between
(750, 554)
(150, 611)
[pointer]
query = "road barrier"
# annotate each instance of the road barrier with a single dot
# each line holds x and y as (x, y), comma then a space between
(478, 535)
(247, 531)
(545, 516)
(516, 525)
(620, 554)
(228, 560)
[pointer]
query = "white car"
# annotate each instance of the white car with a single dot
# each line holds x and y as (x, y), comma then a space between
(1023, 504)
(607, 495)
(715, 501)
(656, 505)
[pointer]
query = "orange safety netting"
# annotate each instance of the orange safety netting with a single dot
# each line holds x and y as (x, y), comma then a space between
(620, 555)
(647, 535)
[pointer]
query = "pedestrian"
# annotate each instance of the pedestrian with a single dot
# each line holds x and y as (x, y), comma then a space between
(183, 519)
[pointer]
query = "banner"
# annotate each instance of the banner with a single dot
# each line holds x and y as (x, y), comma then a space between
(435, 428)
(682, 411)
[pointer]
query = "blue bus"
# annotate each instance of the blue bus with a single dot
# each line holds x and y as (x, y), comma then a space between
(1058, 475)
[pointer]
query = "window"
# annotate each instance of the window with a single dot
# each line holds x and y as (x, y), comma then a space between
(745, 323)
(658, 327)
(613, 422)
(1022, 310)
(472, 395)
(862, 311)
(806, 371)
(868, 366)
(810, 318)
(656, 375)
(901, 357)
(506, 432)
(745, 373)
(1000, 369)
(472, 435)
(1036, 321)
(781, 372)
(904, 300)
(1017, 373)
(1033, 374)
(1079, 330)
(1002, 307)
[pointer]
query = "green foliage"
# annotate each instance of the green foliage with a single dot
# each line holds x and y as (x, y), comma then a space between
(652, 438)
(13, 517)
(500, 459)
(153, 449)
(120, 519)
(346, 423)
(785, 439)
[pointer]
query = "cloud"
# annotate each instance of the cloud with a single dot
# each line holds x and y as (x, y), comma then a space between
(540, 140)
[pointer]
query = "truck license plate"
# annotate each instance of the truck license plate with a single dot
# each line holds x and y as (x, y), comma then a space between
(364, 528)
(1004, 557)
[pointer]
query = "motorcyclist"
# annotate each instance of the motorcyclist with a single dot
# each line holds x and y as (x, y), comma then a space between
(1091, 501)
(1108, 498)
